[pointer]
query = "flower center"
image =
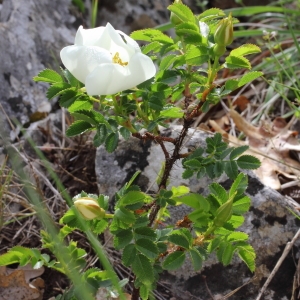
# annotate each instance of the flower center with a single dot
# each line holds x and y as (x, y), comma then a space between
(117, 60)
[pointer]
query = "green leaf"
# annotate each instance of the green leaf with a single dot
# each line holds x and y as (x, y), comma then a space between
(123, 238)
(174, 260)
(171, 112)
(100, 135)
(125, 215)
(201, 173)
(162, 234)
(68, 98)
(178, 191)
(167, 61)
(129, 254)
(196, 258)
(219, 168)
(177, 238)
(219, 192)
(235, 222)
(125, 133)
(78, 127)
(192, 164)
(64, 231)
(182, 11)
(48, 75)
(132, 197)
(239, 185)
(147, 247)
(210, 171)
(226, 152)
(234, 62)
(154, 46)
(231, 85)
(190, 32)
(187, 174)
(200, 217)
(231, 169)
(91, 117)
(248, 162)
(214, 244)
(193, 200)
(10, 257)
(247, 255)
(241, 206)
(248, 77)
(144, 233)
(237, 236)
(144, 291)
(111, 142)
(212, 12)
(187, 27)
(238, 151)
(71, 79)
(245, 50)
(227, 254)
(151, 35)
(99, 226)
(143, 269)
(220, 250)
(155, 103)
(57, 89)
(82, 103)
(196, 55)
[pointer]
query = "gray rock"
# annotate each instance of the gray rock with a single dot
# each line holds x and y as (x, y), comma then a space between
(32, 33)
(269, 223)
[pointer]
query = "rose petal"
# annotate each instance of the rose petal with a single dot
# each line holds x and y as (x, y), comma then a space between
(141, 67)
(81, 60)
(106, 60)
(88, 37)
(108, 79)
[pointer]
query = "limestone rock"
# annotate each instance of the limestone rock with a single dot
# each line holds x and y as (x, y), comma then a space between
(269, 223)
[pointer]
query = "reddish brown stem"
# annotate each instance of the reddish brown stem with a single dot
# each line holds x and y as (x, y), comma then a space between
(150, 136)
(170, 160)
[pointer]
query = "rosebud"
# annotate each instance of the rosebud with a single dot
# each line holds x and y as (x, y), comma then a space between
(224, 213)
(219, 50)
(89, 208)
(173, 17)
(224, 32)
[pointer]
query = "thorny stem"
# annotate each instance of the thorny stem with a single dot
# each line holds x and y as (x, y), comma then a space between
(135, 292)
(170, 160)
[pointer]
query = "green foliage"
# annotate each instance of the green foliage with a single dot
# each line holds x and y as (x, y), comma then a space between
(188, 67)
(215, 163)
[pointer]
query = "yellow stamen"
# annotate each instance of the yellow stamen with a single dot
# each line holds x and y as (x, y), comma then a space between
(117, 60)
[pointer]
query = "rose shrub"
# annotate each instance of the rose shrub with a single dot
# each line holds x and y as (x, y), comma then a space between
(106, 60)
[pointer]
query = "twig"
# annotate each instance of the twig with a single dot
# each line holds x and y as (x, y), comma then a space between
(207, 288)
(157, 138)
(290, 184)
(286, 250)
(237, 289)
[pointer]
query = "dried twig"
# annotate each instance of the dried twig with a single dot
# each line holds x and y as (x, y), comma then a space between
(286, 250)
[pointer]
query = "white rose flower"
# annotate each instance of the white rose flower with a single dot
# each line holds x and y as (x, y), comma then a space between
(106, 60)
